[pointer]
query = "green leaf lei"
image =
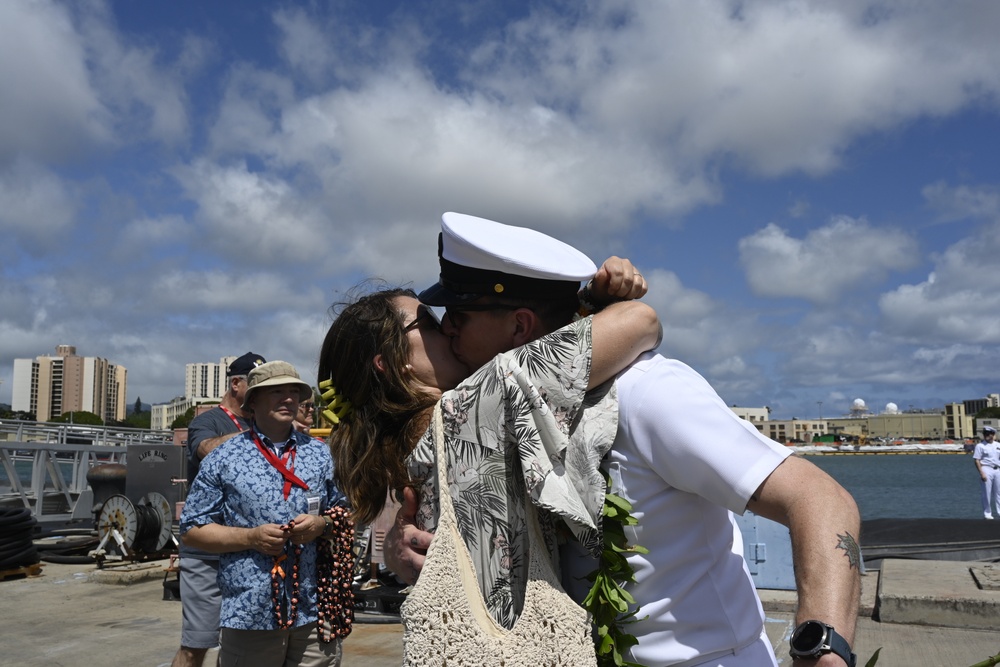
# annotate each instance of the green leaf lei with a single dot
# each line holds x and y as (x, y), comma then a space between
(608, 601)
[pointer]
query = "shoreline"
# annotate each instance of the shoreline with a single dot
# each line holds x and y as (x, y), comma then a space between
(921, 448)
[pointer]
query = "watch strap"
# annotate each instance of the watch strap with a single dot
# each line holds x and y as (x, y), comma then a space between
(840, 646)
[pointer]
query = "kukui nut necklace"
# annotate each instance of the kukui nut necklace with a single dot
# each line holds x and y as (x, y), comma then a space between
(277, 578)
(334, 576)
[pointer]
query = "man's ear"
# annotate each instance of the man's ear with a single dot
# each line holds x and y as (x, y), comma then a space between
(527, 326)
(379, 363)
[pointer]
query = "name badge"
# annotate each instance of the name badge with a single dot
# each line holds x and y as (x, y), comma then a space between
(313, 505)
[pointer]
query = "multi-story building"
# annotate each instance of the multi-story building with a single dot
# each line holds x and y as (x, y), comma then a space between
(50, 386)
(977, 405)
(203, 383)
(958, 425)
(795, 430)
(756, 416)
(207, 381)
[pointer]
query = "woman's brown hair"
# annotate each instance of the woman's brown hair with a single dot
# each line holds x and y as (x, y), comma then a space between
(370, 446)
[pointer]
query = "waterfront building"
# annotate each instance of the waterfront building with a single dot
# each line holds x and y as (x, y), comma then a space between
(950, 424)
(976, 405)
(756, 416)
(50, 386)
(897, 425)
(795, 430)
(958, 425)
(986, 421)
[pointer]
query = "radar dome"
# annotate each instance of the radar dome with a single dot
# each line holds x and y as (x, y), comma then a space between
(858, 403)
(891, 408)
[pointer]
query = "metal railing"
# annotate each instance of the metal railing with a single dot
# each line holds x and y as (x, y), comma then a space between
(44, 466)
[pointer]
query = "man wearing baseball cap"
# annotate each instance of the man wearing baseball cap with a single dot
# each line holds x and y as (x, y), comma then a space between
(260, 501)
(200, 596)
(684, 461)
(987, 459)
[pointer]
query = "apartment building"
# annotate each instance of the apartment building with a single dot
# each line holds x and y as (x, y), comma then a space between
(50, 386)
(203, 383)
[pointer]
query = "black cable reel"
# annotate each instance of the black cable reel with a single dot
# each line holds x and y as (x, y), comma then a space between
(130, 530)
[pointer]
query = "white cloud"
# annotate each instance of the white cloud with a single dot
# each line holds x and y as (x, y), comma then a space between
(964, 201)
(254, 217)
(960, 300)
(731, 366)
(304, 44)
(325, 151)
(148, 233)
(147, 97)
(399, 144)
(798, 208)
(775, 86)
(218, 291)
(827, 263)
(70, 82)
(570, 123)
(49, 106)
(700, 330)
(250, 111)
(35, 205)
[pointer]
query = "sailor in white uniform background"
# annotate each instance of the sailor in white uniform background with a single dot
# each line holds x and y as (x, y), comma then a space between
(987, 458)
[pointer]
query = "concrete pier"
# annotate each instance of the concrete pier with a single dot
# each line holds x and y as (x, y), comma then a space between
(929, 613)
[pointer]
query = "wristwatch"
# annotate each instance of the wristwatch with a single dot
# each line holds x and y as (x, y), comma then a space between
(814, 638)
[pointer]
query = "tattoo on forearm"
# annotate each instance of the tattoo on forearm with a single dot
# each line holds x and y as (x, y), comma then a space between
(850, 546)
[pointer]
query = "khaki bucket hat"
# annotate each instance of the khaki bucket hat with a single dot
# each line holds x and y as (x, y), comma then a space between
(275, 373)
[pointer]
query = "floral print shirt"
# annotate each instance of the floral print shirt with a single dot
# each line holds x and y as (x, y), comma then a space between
(516, 429)
(236, 486)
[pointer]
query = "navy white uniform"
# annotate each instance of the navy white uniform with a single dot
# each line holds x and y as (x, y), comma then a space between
(987, 458)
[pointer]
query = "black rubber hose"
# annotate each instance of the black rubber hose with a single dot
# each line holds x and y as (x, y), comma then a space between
(63, 545)
(8, 551)
(23, 535)
(66, 531)
(28, 556)
(13, 515)
(51, 557)
(17, 526)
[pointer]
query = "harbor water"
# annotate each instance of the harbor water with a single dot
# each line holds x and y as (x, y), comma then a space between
(885, 486)
(907, 486)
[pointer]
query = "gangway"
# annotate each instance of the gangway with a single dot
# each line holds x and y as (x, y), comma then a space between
(44, 466)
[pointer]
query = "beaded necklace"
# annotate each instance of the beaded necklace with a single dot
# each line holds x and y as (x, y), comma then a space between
(277, 578)
(334, 576)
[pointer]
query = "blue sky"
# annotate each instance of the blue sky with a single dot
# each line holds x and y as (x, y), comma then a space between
(812, 189)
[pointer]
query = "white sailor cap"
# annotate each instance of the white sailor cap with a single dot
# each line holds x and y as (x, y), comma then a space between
(989, 429)
(480, 257)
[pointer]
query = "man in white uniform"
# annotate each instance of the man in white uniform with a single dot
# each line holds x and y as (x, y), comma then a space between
(685, 461)
(987, 459)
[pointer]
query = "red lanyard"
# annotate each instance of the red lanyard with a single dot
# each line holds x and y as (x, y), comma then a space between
(239, 426)
(285, 465)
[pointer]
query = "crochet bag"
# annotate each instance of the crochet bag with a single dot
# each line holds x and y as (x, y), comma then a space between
(445, 619)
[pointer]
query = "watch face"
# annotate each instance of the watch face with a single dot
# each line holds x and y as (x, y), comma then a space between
(809, 636)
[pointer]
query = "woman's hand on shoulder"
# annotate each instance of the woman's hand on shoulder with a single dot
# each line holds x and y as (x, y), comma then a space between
(617, 280)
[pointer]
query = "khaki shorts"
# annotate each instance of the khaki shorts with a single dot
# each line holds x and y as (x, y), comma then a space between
(201, 602)
(299, 647)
